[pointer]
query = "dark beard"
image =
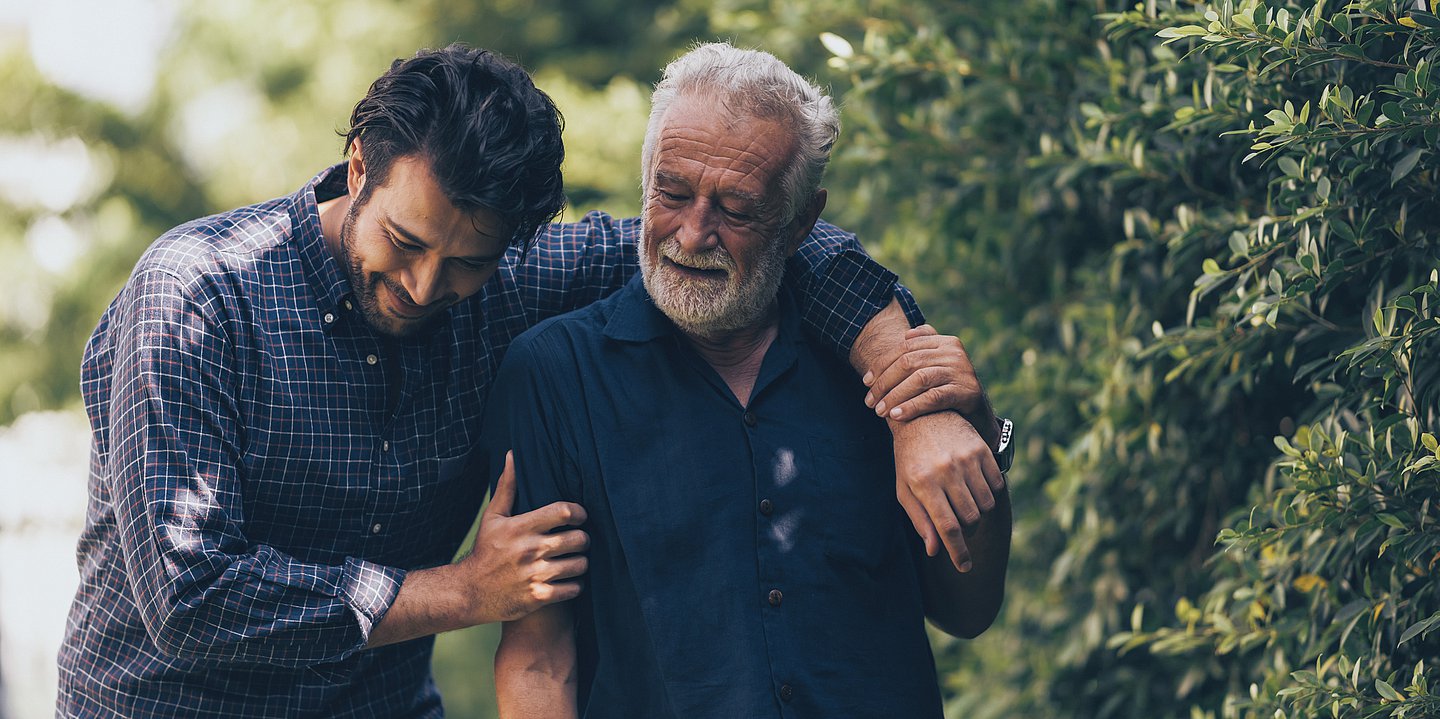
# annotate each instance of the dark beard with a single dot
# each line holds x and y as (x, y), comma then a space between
(364, 288)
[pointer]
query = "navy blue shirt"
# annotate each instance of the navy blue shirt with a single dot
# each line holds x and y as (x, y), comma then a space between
(744, 561)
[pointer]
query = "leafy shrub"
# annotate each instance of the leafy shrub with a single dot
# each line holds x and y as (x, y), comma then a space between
(1171, 232)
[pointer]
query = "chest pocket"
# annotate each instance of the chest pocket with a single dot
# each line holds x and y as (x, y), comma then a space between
(857, 509)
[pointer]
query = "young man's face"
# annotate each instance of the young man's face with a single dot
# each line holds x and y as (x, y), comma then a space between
(409, 252)
(714, 248)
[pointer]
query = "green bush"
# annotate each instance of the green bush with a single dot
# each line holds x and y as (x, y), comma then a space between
(1170, 232)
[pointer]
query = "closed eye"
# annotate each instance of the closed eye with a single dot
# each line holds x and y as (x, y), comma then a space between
(473, 265)
(403, 245)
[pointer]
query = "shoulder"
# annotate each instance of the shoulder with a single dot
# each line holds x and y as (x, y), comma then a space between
(224, 244)
(561, 342)
(596, 225)
(825, 231)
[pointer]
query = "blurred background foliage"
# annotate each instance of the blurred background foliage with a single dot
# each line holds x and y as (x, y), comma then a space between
(1191, 246)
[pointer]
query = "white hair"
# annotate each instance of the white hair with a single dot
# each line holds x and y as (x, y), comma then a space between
(753, 83)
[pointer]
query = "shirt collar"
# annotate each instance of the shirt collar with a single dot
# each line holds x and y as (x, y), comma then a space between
(327, 277)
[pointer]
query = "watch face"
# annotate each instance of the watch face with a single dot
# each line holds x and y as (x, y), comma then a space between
(1006, 453)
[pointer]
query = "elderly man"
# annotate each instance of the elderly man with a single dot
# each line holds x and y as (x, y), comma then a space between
(284, 400)
(747, 555)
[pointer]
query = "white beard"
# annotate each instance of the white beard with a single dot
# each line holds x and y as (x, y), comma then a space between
(708, 307)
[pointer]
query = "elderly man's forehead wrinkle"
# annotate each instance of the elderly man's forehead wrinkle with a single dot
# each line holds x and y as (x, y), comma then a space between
(744, 154)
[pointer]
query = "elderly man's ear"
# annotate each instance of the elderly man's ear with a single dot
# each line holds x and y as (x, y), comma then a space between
(806, 221)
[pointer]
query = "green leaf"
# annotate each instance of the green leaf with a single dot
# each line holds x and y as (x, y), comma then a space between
(1421, 627)
(1289, 166)
(1428, 440)
(1175, 33)
(1210, 266)
(1388, 691)
(1239, 244)
(1391, 520)
(1405, 165)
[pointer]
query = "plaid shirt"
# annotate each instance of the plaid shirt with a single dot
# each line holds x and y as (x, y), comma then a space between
(265, 468)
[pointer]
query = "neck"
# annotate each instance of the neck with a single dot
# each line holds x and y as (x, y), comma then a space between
(737, 355)
(332, 218)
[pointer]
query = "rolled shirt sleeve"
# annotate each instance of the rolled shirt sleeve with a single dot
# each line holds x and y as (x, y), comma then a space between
(205, 592)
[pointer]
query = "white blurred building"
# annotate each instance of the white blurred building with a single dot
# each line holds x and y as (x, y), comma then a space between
(43, 463)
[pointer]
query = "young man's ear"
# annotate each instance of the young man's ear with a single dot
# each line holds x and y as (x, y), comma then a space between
(355, 170)
(805, 221)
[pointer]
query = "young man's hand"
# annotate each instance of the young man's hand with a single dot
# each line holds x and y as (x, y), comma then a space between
(521, 563)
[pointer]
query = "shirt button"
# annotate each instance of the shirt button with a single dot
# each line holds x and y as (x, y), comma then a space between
(385, 446)
(375, 528)
(776, 597)
(371, 359)
(749, 419)
(348, 306)
(787, 692)
(766, 507)
(329, 317)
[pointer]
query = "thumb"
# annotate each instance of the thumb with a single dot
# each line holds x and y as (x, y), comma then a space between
(502, 500)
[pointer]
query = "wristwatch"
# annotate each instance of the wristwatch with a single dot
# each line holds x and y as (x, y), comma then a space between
(1005, 453)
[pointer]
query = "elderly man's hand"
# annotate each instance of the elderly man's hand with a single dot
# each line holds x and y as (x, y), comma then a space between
(946, 479)
(932, 373)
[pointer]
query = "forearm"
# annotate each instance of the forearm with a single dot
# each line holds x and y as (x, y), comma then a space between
(535, 671)
(966, 604)
(430, 601)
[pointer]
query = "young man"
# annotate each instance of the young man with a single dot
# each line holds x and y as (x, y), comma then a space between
(284, 400)
(747, 558)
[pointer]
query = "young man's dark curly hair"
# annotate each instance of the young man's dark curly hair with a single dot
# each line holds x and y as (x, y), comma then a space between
(491, 138)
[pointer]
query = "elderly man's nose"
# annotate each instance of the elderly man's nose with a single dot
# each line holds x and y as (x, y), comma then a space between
(697, 232)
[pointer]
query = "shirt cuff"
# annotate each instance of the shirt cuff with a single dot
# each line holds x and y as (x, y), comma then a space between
(908, 304)
(369, 589)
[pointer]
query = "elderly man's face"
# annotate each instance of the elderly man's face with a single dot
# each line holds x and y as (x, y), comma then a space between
(712, 254)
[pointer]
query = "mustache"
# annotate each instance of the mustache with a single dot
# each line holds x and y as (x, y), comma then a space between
(714, 259)
(395, 287)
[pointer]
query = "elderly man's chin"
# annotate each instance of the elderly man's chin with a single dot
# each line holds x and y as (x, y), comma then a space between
(709, 306)
(693, 303)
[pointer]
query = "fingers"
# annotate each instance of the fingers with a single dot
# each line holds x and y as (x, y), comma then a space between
(950, 529)
(921, 331)
(921, 521)
(502, 501)
(559, 570)
(544, 594)
(927, 363)
(925, 390)
(562, 543)
(554, 515)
